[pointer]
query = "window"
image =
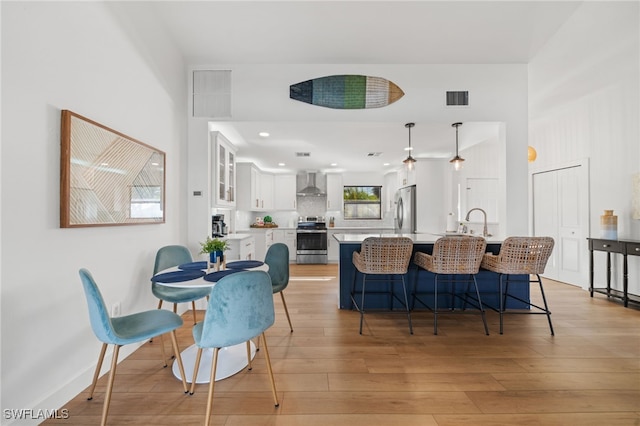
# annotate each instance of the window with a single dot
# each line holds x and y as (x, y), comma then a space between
(362, 202)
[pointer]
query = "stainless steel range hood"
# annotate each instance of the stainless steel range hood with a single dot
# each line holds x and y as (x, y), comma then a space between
(311, 190)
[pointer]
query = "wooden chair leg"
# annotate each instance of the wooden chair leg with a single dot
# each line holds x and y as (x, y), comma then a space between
(193, 306)
(195, 370)
(164, 355)
(212, 384)
(249, 355)
(97, 373)
(112, 375)
(175, 308)
(176, 349)
(286, 311)
(268, 359)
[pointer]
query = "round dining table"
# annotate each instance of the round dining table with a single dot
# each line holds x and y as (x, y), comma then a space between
(232, 359)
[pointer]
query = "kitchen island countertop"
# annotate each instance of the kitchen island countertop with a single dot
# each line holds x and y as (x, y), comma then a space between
(422, 238)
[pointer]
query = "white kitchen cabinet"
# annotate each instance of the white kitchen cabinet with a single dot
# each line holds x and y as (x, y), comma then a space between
(288, 237)
(389, 190)
(241, 247)
(263, 240)
(257, 188)
(223, 172)
(335, 191)
(266, 191)
(284, 193)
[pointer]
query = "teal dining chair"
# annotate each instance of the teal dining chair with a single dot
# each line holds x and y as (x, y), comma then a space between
(240, 308)
(119, 331)
(277, 258)
(167, 257)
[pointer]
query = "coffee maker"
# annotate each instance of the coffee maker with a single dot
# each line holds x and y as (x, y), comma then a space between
(218, 227)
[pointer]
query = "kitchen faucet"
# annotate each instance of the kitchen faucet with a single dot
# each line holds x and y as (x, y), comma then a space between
(485, 232)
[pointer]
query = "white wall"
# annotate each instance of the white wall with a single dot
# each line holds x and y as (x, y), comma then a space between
(77, 56)
(584, 103)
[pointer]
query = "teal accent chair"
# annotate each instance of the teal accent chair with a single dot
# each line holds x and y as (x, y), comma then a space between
(167, 257)
(123, 330)
(240, 309)
(277, 258)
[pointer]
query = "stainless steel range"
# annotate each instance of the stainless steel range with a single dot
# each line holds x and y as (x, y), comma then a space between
(311, 245)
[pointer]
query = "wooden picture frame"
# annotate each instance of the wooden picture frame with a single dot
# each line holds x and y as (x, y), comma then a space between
(108, 178)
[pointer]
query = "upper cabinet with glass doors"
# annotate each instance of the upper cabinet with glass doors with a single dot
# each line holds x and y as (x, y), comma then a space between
(223, 171)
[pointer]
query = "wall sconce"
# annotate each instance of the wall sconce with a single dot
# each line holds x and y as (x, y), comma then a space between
(409, 160)
(457, 160)
(531, 154)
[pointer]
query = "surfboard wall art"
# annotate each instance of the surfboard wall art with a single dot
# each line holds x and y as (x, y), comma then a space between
(346, 92)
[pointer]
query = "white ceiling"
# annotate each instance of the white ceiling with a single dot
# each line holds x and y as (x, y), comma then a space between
(356, 32)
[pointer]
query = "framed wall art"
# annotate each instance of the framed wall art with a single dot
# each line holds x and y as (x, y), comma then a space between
(108, 178)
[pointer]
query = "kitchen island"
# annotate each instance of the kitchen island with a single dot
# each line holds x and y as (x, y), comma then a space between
(487, 280)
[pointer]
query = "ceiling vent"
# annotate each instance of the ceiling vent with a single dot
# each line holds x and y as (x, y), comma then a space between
(303, 154)
(212, 93)
(458, 98)
(374, 154)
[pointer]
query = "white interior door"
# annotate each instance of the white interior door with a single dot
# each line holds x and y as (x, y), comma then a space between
(560, 210)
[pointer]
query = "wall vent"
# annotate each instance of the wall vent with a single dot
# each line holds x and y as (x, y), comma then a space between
(459, 98)
(212, 93)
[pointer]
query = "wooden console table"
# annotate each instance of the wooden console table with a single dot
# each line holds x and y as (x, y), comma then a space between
(625, 248)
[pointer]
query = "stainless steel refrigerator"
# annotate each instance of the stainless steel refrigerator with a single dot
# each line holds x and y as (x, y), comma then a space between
(405, 216)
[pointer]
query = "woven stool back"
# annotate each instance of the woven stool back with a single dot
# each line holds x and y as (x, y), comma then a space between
(457, 255)
(384, 255)
(521, 255)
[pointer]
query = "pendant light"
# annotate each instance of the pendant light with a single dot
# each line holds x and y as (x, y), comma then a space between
(457, 160)
(409, 160)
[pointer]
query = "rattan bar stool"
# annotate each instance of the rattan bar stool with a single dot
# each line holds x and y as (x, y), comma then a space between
(455, 259)
(382, 259)
(520, 256)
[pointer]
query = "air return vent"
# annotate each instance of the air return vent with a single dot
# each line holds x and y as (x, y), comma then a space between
(212, 93)
(303, 154)
(457, 98)
(374, 154)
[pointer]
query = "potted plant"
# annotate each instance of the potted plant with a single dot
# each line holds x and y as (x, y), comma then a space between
(215, 247)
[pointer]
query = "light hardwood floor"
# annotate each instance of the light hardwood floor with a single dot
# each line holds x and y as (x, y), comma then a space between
(328, 374)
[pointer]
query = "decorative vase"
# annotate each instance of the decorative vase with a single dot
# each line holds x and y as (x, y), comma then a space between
(214, 256)
(609, 225)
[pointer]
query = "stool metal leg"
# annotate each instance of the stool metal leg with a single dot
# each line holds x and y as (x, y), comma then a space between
(546, 307)
(406, 305)
(364, 280)
(484, 317)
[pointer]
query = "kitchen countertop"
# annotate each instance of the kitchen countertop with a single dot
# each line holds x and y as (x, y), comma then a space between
(238, 236)
(422, 238)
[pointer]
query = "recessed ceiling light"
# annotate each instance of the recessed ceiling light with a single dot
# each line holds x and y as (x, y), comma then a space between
(334, 164)
(281, 164)
(385, 164)
(264, 134)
